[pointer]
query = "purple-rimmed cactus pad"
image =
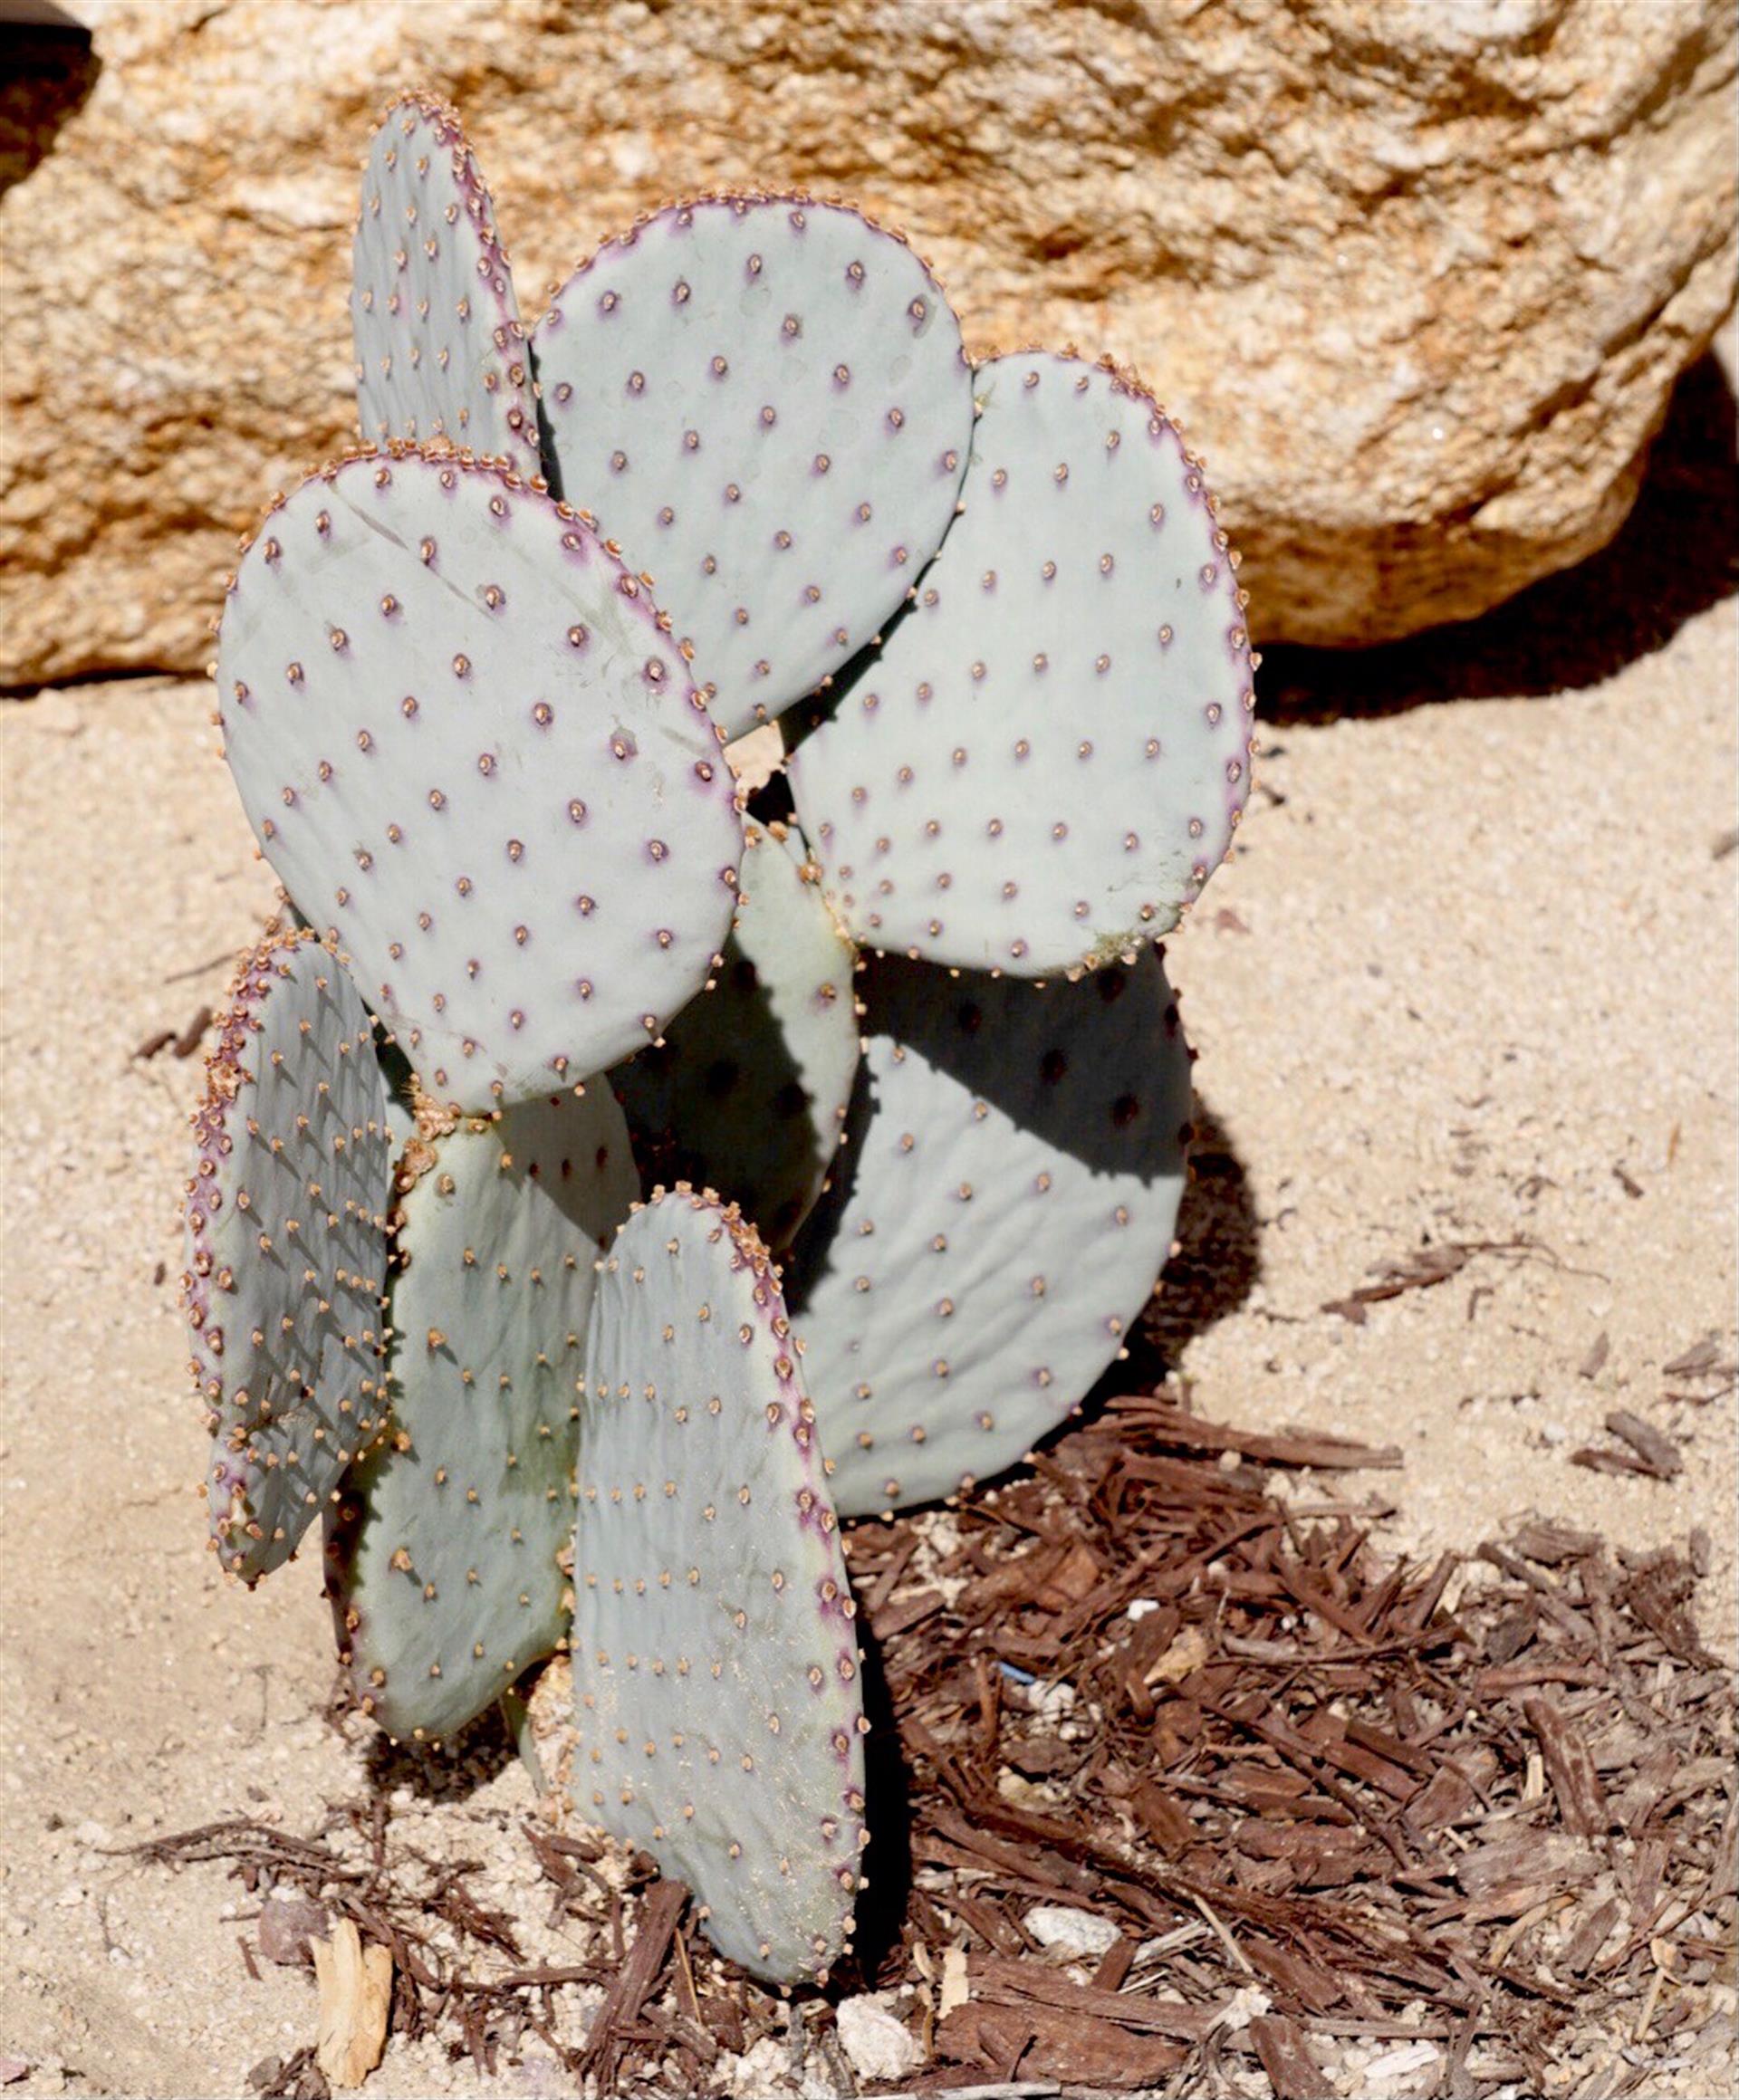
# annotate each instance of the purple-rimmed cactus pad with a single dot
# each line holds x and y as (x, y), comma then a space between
(766, 400)
(443, 1552)
(1046, 759)
(286, 1248)
(748, 1092)
(1006, 1197)
(469, 747)
(440, 348)
(717, 1701)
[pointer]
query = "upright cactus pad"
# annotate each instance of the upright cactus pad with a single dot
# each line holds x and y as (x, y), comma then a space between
(469, 748)
(748, 1092)
(1045, 760)
(440, 348)
(286, 1248)
(442, 1558)
(715, 1664)
(766, 400)
(1006, 1198)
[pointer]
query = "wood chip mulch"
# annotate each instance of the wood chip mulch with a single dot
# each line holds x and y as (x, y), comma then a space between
(1314, 1820)
(1495, 1815)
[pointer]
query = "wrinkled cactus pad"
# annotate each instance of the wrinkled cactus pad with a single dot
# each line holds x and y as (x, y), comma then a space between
(443, 1556)
(1006, 1200)
(440, 348)
(748, 1090)
(1045, 760)
(717, 1701)
(469, 748)
(286, 1248)
(766, 401)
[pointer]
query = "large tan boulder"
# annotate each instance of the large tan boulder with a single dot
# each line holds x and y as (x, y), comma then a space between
(1417, 275)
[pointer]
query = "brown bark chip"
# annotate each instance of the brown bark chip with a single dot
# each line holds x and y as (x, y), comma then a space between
(1292, 2071)
(1570, 1766)
(1646, 1452)
(613, 2028)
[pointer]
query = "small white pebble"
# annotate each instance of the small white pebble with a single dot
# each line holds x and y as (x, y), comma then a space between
(1051, 1701)
(1245, 2005)
(1399, 2063)
(1060, 1929)
(877, 2044)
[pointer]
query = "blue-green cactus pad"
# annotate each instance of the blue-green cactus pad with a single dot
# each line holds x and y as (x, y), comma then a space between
(286, 1248)
(717, 1701)
(471, 751)
(442, 1557)
(1005, 1201)
(440, 348)
(1046, 759)
(765, 400)
(748, 1092)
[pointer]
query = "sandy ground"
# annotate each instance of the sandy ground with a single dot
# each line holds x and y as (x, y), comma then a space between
(1469, 982)
(1472, 987)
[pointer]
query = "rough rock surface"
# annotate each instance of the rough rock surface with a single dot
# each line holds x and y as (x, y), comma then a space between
(1420, 294)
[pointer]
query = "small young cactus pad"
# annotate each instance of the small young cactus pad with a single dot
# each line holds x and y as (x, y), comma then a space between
(718, 1701)
(1013, 1170)
(765, 400)
(1045, 760)
(286, 1248)
(442, 1558)
(440, 348)
(468, 747)
(748, 1092)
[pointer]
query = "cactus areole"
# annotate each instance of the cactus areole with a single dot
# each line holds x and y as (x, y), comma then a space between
(475, 680)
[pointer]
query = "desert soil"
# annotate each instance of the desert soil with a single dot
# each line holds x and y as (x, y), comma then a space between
(1467, 985)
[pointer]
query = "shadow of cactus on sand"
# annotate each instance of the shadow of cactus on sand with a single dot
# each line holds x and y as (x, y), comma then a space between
(1216, 1265)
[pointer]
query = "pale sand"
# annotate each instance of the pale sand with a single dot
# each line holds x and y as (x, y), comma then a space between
(1478, 965)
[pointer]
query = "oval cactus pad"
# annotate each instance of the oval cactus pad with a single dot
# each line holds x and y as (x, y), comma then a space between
(1014, 1165)
(440, 348)
(442, 1558)
(716, 1698)
(471, 751)
(748, 1090)
(286, 1243)
(766, 400)
(1046, 759)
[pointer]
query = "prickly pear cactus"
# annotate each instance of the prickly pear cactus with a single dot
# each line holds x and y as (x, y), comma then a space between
(748, 1090)
(443, 1553)
(766, 399)
(286, 1248)
(718, 1701)
(483, 756)
(1007, 1196)
(471, 751)
(1045, 760)
(440, 348)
